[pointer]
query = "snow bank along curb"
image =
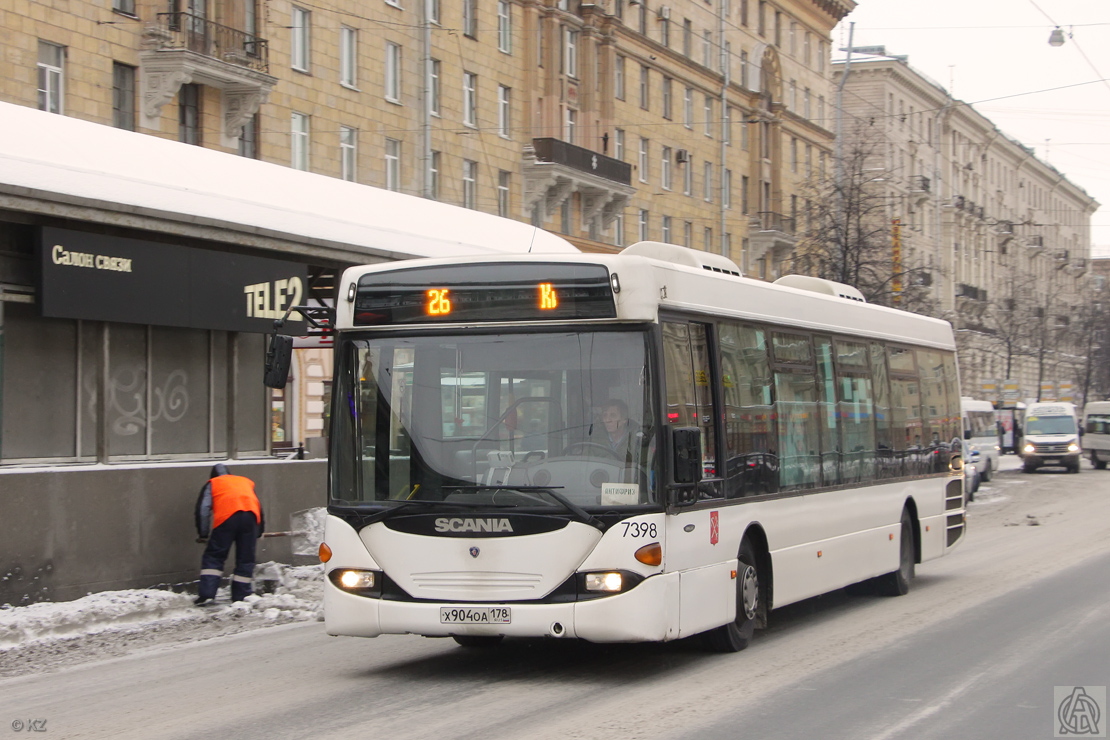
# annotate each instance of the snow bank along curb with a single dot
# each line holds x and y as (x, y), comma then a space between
(296, 596)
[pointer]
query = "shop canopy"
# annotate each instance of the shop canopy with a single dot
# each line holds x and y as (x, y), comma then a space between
(64, 167)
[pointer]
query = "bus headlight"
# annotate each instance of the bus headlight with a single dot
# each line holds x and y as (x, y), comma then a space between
(609, 582)
(360, 582)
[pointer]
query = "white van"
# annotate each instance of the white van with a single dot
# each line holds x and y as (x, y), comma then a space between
(981, 433)
(1096, 433)
(1050, 436)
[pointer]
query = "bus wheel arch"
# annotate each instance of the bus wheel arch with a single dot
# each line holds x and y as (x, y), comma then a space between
(897, 582)
(753, 588)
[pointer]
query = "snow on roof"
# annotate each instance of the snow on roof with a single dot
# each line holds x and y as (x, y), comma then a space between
(64, 159)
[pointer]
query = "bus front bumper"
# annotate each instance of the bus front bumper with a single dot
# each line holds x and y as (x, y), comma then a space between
(647, 613)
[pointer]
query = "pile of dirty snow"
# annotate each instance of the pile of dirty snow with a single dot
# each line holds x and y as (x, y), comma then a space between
(44, 635)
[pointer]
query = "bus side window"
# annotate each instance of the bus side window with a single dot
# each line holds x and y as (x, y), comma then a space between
(690, 393)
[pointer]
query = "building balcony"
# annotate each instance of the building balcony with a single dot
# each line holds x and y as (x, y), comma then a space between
(772, 234)
(920, 189)
(182, 49)
(554, 170)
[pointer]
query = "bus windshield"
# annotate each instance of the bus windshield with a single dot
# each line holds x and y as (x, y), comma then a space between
(501, 420)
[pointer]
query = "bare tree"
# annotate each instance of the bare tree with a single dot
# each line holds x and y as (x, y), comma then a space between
(846, 234)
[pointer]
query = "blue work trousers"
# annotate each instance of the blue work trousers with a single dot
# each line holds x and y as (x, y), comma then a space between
(240, 529)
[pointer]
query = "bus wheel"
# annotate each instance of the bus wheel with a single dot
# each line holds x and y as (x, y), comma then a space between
(478, 641)
(750, 606)
(897, 583)
(1097, 461)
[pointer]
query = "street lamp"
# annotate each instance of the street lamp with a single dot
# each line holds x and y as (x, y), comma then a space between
(1056, 38)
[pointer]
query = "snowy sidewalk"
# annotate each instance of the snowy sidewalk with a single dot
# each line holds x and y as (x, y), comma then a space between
(50, 628)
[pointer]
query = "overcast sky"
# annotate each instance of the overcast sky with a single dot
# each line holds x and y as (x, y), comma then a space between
(995, 54)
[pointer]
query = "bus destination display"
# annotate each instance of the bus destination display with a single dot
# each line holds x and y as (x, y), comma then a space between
(485, 292)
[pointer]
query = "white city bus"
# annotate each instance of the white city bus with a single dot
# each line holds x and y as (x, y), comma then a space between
(633, 447)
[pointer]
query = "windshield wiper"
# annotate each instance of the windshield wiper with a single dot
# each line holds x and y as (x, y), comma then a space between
(579, 513)
(366, 520)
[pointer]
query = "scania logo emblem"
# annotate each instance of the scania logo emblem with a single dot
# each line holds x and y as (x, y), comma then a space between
(474, 552)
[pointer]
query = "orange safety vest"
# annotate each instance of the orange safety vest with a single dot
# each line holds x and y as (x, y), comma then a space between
(231, 494)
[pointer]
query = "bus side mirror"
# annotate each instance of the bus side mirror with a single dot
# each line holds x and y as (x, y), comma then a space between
(278, 358)
(967, 434)
(686, 446)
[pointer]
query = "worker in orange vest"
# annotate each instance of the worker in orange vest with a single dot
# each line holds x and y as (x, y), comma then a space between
(228, 512)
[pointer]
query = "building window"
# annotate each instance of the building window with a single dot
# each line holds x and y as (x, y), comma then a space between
(564, 217)
(666, 171)
(618, 145)
(127, 7)
(503, 181)
(667, 230)
(793, 155)
(470, 184)
(248, 139)
(707, 48)
(744, 194)
(726, 188)
(687, 177)
(687, 38)
(688, 108)
(505, 26)
(645, 79)
(708, 116)
(433, 87)
(348, 152)
(708, 236)
(643, 163)
(394, 3)
(667, 97)
(665, 32)
(618, 230)
(504, 111)
(392, 164)
(433, 176)
(123, 96)
(299, 141)
(727, 129)
(642, 226)
(301, 32)
(688, 234)
(433, 11)
(618, 75)
(393, 73)
(707, 176)
(571, 125)
(51, 77)
(470, 99)
(470, 18)
(348, 56)
(188, 114)
(571, 60)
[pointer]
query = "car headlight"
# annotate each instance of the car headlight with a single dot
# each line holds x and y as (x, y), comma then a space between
(1029, 448)
(1073, 447)
(611, 582)
(357, 581)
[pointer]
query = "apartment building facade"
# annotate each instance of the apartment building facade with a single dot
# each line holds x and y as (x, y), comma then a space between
(1000, 237)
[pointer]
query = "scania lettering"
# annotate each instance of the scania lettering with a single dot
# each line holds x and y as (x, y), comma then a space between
(635, 447)
(473, 525)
